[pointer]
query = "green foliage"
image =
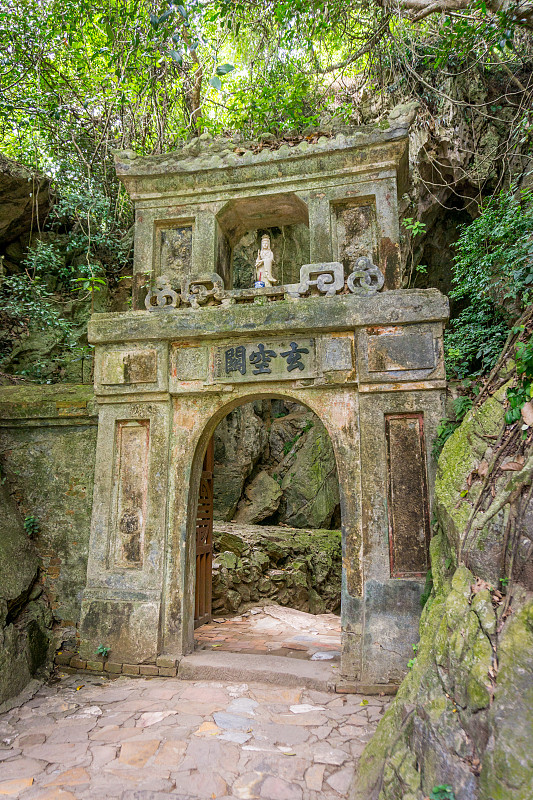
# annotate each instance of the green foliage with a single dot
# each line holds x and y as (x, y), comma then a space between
(287, 447)
(26, 301)
(447, 426)
(414, 226)
(442, 792)
(102, 651)
(519, 395)
(287, 101)
(31, 525)
(97, 217)
(493, 281)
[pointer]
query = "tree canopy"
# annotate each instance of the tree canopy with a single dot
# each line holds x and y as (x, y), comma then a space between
(80, 78)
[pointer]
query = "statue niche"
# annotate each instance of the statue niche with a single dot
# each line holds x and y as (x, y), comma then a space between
(263, 264)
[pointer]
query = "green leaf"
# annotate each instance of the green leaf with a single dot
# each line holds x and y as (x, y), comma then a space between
(177, 57)
(215, 82)
(223, 69)
(154, 19)
(166, 14)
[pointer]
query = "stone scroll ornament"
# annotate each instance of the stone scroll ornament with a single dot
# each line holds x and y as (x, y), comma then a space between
(370, 278)
(198, 291)
(162, 297)
(328, 277)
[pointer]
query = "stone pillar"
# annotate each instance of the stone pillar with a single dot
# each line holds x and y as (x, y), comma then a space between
(204, 245)
(320, 248)
(122, 600)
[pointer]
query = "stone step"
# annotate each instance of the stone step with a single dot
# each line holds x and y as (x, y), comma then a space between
(245, 668)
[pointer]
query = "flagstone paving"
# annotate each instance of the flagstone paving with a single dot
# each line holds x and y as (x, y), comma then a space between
(84, 737)
(274, 630)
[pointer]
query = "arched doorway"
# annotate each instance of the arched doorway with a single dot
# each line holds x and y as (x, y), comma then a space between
(270, 483)
(198, 492)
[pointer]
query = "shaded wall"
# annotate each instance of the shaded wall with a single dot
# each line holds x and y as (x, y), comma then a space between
(47, 452)
(25, 617)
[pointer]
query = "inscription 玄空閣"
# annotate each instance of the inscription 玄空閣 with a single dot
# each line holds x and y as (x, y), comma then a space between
(260, 360)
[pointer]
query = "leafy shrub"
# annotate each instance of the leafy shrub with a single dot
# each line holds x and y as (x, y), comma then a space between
(519, 395)
(447, 426)
(27, 301)
(493, 281)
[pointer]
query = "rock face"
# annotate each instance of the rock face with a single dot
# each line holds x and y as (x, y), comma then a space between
(297, 568)
(25, 619)
(261, 499)
(464, 715)
(310, 485)
(240, 439)
(274, 462)
(24, 201)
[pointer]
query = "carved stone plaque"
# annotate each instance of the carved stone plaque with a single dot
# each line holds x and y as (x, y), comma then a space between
(408, 498)
(131, 480)
(260, 360)
(189, 363)
(131, 366)
(391, 352)
(176, 253)
(337, 354)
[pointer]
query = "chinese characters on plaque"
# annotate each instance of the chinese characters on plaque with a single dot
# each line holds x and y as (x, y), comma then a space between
(291, 359)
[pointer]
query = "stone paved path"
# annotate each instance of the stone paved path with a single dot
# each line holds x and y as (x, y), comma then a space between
(274, 630)
(151, 739)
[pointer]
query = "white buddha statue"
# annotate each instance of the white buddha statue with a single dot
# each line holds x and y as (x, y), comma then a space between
(263, 263)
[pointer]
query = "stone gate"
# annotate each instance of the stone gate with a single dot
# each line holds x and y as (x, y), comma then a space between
(342, 339)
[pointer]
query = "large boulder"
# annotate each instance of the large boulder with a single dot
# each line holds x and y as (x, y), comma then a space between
(310, 485)
(261, 499)
(24, 199)
(240, 440)
(25, 618)
(285, 431)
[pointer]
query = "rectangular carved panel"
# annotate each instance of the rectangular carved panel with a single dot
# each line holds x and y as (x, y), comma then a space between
(175, 253)
(357, 233)
(407, 495)
(126, 367)
(397, 350)
(131, 487)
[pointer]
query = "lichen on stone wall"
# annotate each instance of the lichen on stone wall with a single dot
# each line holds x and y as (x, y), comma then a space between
(260, 564)
(25, 616)
(47, 456)
(463, 716)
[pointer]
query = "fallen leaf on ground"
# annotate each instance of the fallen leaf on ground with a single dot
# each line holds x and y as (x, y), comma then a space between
(483, 468)
(513, 464)
(527, 413)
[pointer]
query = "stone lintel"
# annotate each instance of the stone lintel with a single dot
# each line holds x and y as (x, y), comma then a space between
(396, 307)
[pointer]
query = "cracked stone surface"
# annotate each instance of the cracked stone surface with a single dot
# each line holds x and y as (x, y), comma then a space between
(274, 630)
(84, 737)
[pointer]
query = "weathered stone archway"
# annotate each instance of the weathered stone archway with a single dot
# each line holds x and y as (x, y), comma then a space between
(372, 372)
(370, 365)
